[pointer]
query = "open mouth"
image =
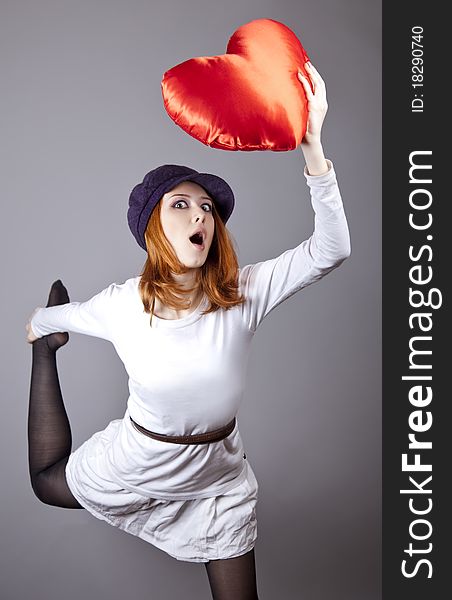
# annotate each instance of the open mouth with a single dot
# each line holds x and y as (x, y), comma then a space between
(197, 240)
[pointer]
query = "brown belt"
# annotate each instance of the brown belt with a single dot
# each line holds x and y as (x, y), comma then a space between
(199, 438)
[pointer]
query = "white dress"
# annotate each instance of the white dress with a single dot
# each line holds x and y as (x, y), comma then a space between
(187, 376)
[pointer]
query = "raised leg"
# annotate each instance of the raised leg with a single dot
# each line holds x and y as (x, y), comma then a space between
(233, 578)
(49, 432)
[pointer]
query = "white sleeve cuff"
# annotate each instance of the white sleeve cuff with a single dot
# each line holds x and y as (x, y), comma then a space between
(324, 179)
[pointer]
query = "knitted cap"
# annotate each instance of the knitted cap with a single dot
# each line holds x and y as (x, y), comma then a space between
(145, 196)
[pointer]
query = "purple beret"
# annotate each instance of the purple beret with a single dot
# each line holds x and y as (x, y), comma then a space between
(145, 196)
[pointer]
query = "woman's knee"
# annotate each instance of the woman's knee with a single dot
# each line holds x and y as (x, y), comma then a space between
(50, 486)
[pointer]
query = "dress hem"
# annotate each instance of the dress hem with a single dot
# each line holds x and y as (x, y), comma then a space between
(154, 541)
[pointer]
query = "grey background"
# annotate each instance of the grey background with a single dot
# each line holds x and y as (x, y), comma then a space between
(82, 122)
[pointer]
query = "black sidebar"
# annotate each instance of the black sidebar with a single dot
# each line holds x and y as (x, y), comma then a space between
(417, 239)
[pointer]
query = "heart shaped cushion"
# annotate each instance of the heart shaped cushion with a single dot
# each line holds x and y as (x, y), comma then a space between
(247, 99)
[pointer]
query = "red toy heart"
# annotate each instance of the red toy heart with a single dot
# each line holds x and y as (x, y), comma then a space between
(247, 99)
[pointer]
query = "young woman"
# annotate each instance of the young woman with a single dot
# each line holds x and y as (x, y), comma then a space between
(173, 471)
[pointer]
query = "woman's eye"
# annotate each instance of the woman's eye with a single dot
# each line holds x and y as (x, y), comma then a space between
(179, 202)
(207, 207)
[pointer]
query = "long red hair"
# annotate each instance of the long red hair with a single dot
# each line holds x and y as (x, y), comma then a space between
(217, 278)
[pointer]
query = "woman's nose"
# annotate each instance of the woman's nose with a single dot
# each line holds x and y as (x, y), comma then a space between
(198, 215)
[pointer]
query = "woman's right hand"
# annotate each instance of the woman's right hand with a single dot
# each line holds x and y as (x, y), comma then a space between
(311, 144)
(315, 91)
(58, 295)
(30, 335)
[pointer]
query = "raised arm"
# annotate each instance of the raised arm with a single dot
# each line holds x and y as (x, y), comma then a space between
(268, 283)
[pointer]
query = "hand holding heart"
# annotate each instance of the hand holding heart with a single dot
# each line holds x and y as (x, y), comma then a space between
(317, 104)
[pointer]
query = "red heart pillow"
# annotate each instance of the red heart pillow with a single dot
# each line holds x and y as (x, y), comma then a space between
(247, 99)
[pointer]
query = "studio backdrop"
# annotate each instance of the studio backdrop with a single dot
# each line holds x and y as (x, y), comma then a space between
(82, 121)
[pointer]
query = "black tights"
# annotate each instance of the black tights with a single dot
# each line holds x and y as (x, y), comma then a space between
(49, 447)
(49, 432)
(233, 578)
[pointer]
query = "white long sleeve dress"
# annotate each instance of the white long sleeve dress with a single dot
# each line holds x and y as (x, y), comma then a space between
(187, 376)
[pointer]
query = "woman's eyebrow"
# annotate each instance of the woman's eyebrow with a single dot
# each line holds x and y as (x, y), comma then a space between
(189, 196)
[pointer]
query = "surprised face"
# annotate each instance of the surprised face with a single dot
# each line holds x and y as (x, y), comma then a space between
(187, 221)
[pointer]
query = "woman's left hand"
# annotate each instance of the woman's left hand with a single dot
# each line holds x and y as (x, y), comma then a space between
(317, 103)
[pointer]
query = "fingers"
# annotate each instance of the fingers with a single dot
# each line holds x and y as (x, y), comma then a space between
(315, 91)
(306, 86)
(314, 75)
(317, 87)
(30, 335)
